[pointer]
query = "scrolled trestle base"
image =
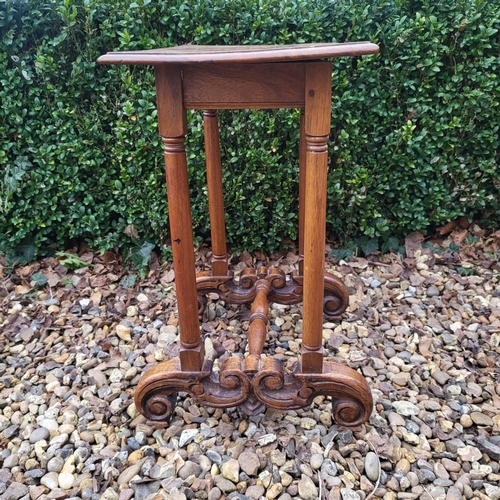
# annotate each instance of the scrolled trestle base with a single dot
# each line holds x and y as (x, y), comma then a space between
(284, 289)
(271, 386)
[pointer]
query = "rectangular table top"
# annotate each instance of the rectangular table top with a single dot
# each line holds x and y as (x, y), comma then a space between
(185, 54)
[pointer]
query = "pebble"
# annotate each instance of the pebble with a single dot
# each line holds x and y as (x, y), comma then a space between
(268, 439)
(225, 485)
(396, 419)
(432, 291)
(492, 450)
(454, 493)
(450, 465)
(403, 466)
(123, 332)
(406, 408)
(51, 480)
(274, 491)
(55, 464)
(316, 460)
(215, 494)
(130, 472)
(189, 469)
(66, 480)
(249, 463)
(40, 434)
(214, 457)
(372, 466)
(492, 491)
(469, 453)
(481, 419)
(278, 458)
(308, 423)
(10, 431)
(307, 489)
(187, 437)
(255, 492)
(15, 491)
(111, 494)
(440, 377)
(466, 421)
(231, 470)
(349, 494)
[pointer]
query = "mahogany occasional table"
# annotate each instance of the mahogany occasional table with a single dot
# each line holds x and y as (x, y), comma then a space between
(239, 77)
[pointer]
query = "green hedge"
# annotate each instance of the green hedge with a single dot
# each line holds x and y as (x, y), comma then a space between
(415, 129)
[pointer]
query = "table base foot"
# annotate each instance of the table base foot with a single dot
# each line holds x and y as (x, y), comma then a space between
(271, 386)
(283, 289)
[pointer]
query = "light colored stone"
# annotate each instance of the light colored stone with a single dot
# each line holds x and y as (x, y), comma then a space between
(401, 378)
(469, 453)
(396, 419)
(492, 491)
(349, 494)
(132, 311)
(187, 436)
(481, 419)
(66, 480)
(405, 408)
(286, 479)
(316, 460)
(110, 494)
(274, 491)
(189, 469)
(278, 458)
(130, 472)
(255, 492)
(50, 480)
(123, 332)
(224, 484)
(214, 494)
(466, 421)
(307, 423)
(307, 488)
(135, 456)
(372, 466)
(55, 464)
(265, 478)
(267, 439)
(403, 466)
(231, 470)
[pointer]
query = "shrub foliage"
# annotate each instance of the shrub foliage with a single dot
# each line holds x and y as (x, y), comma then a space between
(415, 129)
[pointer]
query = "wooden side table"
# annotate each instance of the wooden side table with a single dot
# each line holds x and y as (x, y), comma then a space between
(239, 77)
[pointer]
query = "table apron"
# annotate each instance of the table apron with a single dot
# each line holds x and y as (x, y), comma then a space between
(243, 86)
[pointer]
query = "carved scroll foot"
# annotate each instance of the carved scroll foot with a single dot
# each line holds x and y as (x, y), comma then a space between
(271, 387)
(352, 400)
(283, 289)
(228, 388)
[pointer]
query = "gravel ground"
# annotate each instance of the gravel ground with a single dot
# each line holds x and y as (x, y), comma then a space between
(424, 331)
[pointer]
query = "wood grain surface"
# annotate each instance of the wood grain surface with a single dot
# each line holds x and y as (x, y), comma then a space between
(239, 53)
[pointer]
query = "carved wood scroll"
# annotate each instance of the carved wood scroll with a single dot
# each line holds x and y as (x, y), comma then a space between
(282, 290)
(271, 386)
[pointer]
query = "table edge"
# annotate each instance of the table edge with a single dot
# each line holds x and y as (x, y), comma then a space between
(287, 54)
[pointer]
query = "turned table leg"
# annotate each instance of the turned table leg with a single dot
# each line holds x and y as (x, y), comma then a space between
(257, 330)
(316, 130)
(302, 189)
(215, 194)
(172, 125)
